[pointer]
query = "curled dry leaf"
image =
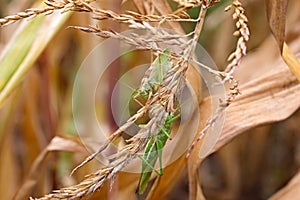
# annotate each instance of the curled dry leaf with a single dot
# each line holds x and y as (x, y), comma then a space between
(276, 12)
(56, 144)
(261, 102)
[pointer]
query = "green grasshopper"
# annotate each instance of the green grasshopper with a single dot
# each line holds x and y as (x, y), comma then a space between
(156, 72)
(153, 150)
(149, 85)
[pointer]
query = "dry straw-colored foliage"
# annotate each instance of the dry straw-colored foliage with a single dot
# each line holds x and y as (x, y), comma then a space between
(247, 105)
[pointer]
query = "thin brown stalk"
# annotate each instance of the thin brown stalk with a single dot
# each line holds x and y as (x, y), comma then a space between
(50, 7)
(235, 60)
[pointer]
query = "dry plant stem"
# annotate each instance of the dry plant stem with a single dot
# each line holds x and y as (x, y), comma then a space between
(234, 91)
(242, 33)
(198, 28)
(144, 42)
(113, 136)
(235, 60)
(66, 6)
(94, 181)
(178, 72)
(84, 6)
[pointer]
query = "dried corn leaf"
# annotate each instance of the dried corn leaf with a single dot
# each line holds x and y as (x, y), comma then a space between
(168, 180)
(272, 97)
(17, 50)
(21, 53)
(291, 60)
(276, 12)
